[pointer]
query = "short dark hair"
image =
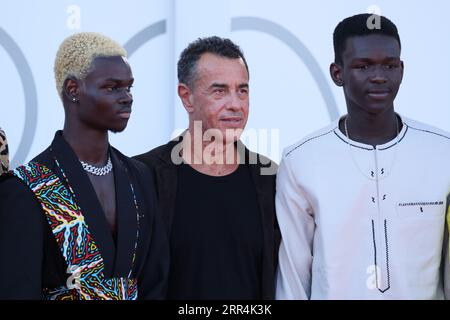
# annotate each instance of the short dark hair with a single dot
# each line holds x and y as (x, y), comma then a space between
(189, 57)
(357, 26)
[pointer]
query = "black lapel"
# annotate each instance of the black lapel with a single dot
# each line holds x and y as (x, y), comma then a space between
(260, 186)
(126, 217)
(261, 191)
(267, 219)
(86, 199)
(166, 181)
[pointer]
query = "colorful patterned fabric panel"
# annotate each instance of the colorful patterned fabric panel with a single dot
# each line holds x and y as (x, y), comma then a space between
(85, 264)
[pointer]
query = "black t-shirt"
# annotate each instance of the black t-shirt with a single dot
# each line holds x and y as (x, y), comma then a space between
(216, 237)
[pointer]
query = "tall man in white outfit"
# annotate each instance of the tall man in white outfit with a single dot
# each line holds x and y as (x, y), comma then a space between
(361, 203)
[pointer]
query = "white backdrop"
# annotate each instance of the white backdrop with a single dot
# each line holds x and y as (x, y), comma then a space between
(288, 45)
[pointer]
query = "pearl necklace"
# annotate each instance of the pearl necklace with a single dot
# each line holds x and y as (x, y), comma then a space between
(98, 171)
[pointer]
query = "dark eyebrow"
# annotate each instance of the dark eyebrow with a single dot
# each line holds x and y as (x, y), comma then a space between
(368, 60)
(218, 85)
(119, 80)
(361, 60)
(224, 86)
(392, 59)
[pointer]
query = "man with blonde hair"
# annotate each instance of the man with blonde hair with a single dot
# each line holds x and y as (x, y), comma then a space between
(84, 194)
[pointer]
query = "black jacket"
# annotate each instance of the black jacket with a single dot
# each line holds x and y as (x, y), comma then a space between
(30, 257)
(165, 173)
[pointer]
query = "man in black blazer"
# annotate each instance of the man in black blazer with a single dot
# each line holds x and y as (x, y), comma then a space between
(216, 197)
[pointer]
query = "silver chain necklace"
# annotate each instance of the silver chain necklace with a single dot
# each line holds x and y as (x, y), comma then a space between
(98, 171)
(373, 177)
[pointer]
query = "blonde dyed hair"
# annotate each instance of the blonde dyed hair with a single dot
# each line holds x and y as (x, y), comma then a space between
(76, 53)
